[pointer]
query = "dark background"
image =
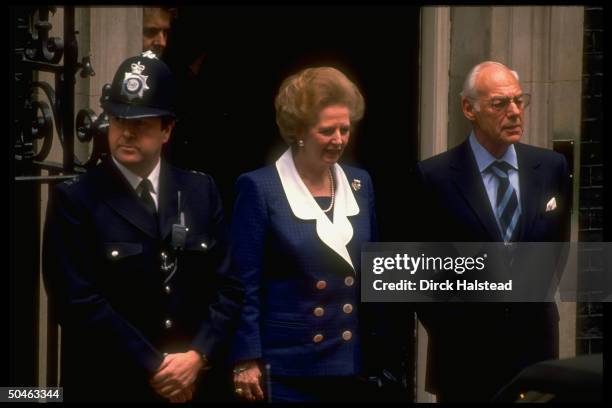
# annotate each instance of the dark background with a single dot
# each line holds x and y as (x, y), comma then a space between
(227, 119)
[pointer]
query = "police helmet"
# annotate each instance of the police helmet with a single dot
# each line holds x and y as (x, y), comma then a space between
(142, 87)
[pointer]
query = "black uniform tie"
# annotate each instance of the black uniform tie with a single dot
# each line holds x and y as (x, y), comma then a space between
(145, 196)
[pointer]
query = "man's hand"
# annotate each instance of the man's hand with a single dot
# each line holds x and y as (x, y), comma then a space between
(247, 381)
(175, 378)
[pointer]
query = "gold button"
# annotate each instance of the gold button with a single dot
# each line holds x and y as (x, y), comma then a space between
(168, 324)
(348, 308)
(115, 253)
(167, 289)
(349, 281)
(321, 285)
(347, 335)
(319, 311)
(317, 338)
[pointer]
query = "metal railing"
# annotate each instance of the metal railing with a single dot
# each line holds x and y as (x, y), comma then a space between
(40, 110)
(35, 119)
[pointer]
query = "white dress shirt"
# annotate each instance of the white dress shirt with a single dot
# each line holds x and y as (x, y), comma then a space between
(134, 180)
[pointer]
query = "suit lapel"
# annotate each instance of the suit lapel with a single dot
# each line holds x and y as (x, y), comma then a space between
(168, 200)
(469, 182)
(530, 184)
(120, 196)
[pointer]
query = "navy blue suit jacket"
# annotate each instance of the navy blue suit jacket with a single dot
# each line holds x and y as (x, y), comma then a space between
(474, 349)
(281, 259)
(118, 312)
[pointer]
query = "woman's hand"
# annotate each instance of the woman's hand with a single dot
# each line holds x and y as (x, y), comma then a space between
(247, 381)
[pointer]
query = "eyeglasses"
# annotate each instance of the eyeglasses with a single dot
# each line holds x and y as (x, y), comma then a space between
(501, 104)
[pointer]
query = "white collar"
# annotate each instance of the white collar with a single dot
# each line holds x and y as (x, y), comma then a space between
(134, 179)
(336, 234)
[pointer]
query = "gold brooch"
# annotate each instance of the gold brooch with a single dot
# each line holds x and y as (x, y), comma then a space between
(356, 184)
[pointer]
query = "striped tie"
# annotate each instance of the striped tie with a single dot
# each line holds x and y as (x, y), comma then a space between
(507, 209)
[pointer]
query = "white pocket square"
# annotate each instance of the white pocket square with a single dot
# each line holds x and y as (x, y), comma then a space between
(551, 205)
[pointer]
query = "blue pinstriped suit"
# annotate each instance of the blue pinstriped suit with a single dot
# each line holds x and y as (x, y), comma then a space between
(281, 259)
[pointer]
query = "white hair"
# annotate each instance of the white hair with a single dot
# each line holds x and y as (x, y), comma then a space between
(469, 85)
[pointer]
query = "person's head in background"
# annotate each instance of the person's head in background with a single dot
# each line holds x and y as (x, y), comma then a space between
(156, 23)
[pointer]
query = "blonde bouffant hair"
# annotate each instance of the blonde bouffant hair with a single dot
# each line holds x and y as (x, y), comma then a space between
(302, 96)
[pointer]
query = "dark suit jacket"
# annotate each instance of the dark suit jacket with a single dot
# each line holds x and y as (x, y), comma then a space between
(474, 349)
(281, 259)
(118, 311)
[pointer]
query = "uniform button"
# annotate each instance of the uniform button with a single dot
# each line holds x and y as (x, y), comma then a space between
(321, 285)
(168, 324)
(348, 308)
(349, 281)
(347, 335)
(318, 338)
(167, 289)
(204, 245)
(319, 311)
(115, 253)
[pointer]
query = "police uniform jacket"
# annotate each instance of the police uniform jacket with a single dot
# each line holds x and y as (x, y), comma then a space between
(301, 270)
(118, 310)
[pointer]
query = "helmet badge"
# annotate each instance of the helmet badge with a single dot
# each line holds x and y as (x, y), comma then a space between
(134, 83)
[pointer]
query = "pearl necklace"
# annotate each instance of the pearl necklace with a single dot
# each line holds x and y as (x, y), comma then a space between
(333, 192)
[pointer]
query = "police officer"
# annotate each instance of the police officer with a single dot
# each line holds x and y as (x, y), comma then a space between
(137, 261)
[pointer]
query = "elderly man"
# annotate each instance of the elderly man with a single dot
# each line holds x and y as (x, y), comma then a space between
(137, 261)
(491, 188)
